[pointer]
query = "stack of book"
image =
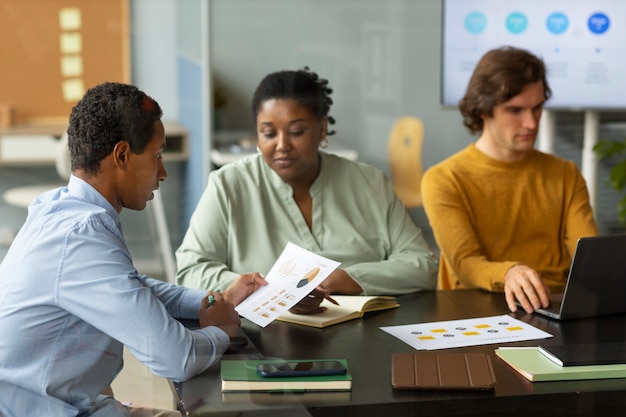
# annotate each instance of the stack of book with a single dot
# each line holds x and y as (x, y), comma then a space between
(242, 375)
(567, 362)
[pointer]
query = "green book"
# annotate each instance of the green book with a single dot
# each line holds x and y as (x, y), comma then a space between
(535, 366)
(242, 375)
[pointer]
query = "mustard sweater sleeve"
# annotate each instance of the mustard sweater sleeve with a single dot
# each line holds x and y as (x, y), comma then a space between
(579, 218)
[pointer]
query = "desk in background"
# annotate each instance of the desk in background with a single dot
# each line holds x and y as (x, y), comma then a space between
(232, 146)
(36, 144)
(368, 351)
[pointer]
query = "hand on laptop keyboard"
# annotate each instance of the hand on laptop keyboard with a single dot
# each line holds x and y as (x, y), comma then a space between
(523, 284)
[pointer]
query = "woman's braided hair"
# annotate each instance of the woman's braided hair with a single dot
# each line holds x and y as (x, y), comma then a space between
(303, 86)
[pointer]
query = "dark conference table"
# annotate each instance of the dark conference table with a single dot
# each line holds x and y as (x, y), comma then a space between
(368, 351)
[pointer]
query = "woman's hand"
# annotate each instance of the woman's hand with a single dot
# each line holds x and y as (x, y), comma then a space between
(340, 282)
(311, 303)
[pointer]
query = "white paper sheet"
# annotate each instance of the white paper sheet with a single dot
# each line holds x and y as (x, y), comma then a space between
(466, 332)
(294, 275)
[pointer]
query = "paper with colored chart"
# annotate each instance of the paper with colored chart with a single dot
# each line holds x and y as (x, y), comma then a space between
(294, 275)
(466, 332)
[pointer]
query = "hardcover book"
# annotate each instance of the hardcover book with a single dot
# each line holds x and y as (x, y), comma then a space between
(242, 375)
(350, 307)
(586, 354)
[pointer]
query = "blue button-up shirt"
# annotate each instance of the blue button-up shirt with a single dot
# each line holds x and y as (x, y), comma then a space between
(70, 299)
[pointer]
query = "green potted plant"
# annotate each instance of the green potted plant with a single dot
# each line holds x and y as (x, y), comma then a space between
(609, 148)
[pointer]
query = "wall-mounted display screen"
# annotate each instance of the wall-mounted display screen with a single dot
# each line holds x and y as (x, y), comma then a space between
(582, 42)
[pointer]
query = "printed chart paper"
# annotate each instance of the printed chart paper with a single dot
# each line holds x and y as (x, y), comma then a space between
(294, 275)
(466, 332)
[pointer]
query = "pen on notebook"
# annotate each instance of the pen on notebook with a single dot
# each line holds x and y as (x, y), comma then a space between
(328, 297)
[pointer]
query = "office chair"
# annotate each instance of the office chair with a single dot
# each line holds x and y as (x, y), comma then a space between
(23, 196)
(405, 159)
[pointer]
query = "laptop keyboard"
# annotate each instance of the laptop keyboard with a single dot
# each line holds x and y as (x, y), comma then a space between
(555, 304)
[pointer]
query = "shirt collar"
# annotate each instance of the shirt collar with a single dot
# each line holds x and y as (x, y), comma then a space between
(484, 158)
(86, 192)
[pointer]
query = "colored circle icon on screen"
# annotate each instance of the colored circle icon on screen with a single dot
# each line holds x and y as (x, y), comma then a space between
(598, 23)
(557, 23)
(475, 22)
(516, 23)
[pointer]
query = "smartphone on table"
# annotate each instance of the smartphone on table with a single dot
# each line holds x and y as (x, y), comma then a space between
(283, 369)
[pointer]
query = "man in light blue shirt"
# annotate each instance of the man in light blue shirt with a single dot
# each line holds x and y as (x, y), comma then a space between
(70, 298)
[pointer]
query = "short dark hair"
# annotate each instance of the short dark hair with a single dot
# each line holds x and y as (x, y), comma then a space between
(304, 86)
(500, 75)
(107, 114)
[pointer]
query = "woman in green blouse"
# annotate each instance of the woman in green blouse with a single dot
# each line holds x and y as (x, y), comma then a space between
(292, 191)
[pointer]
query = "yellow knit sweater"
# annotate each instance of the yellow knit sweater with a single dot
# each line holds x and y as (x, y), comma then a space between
(489, 215)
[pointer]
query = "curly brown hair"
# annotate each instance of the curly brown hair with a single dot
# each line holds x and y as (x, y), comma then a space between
(500, 75)
(107, 114)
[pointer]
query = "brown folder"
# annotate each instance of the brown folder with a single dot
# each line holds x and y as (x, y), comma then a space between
(442, 370)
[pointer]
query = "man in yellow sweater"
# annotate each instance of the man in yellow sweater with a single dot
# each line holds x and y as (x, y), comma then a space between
(506, 217)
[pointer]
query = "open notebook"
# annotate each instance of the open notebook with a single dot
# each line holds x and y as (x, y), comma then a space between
(350, 307)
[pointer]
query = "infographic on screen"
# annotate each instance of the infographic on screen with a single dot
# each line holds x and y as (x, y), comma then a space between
(581, 42)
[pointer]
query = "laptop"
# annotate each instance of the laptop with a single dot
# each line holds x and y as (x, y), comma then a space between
(596, 284)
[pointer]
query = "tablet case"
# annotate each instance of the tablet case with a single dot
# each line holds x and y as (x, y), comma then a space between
(442, 371)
